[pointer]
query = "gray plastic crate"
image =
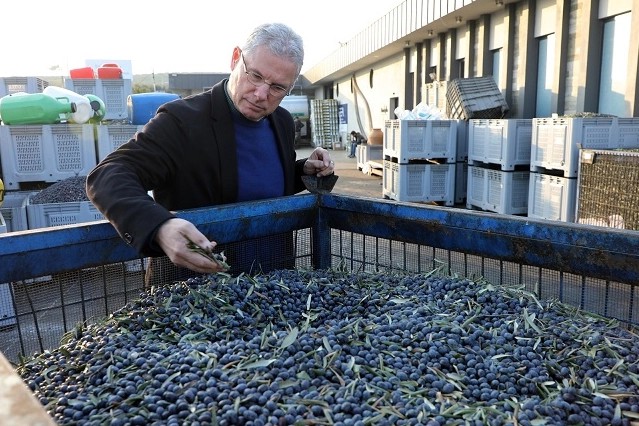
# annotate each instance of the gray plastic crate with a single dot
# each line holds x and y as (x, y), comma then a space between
(111, 136)
(419, 182)
(45, 153)
(58, 214)
(477, 97)
(499, 191)
(7, 310)
(407, 140)
(11, 85)
(14, 210)
(113, 93)
(556, 141)
(504, 142)
(552, 197)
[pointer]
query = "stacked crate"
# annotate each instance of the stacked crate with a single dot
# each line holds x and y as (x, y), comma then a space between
(554, 161)
(499, 165)
(461, 163)
(11, 85)
(42, 154)
(419, 160)
(110, 137)
(368, 157)
(113, 92)
(325, 119)
(435, 94)
(477, 97)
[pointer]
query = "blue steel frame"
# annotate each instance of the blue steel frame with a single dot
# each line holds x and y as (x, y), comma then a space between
(604, 253)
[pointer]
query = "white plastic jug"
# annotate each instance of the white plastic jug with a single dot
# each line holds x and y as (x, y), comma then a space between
(83, 112)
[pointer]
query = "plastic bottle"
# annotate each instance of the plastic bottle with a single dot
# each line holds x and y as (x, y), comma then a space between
(99, 109)
(34, 108)
(83, 110)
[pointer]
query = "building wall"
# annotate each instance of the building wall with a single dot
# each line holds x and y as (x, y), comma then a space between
(370, 106)
(569, 32)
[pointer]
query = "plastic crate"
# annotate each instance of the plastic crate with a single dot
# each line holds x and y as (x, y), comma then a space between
(14, 210)
(45, 153)
(113, 93)
(419, 182)
(407, 140)
(462, 140)
(365, 153)
(608, 189)
(435, 94)
(58, 214)
(325, 119)
(556, 141)
(552, 197)
(477, 97)
(499, 191)
(111, 136)
(7, 310)
(11, 85)
(461, 182)
(505, 142)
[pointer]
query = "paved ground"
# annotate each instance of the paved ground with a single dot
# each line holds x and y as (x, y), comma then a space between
(351, 181)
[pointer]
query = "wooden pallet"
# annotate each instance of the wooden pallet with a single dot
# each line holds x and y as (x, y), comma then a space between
(374, 168)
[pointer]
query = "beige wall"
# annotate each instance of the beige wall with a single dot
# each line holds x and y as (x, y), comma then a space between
(387, 83)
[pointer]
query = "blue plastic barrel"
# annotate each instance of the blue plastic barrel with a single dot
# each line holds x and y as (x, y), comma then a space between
(142, 107)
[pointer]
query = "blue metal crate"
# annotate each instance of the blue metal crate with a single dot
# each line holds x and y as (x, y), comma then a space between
(88, 275)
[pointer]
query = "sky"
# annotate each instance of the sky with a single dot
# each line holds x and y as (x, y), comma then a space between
(46, 38)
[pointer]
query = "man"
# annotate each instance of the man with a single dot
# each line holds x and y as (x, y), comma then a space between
(356, 139)
(229, 144)
(298, 131)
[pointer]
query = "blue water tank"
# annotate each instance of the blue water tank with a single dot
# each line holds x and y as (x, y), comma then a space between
(141, 107)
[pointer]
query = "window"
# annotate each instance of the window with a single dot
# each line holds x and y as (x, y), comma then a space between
(496, 65)
(614, 64)
(545, 74)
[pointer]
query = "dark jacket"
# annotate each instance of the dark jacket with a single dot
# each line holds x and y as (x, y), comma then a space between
(186, 154)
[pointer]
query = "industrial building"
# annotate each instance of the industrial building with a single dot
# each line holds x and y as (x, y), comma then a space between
(546, 56)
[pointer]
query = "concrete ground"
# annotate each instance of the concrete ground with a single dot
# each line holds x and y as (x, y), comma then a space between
(351, 181)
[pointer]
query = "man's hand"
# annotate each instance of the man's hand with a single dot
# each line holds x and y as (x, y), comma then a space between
(319, 163)
(174, 236)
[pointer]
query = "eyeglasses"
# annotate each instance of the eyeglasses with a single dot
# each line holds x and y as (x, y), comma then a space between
(276, 90)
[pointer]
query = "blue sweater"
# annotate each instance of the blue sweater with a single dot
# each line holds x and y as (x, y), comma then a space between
(260, 173)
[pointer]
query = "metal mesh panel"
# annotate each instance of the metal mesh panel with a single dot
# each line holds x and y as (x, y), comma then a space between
(41, 310)
(365, 253)
(48, 307)
(608, 190)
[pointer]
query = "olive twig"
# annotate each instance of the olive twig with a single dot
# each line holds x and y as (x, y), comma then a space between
(218, 258)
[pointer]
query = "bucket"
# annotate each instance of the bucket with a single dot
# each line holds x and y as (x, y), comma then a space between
(80, 73)
(34, 108)
(141, 107)
(83, 110)
(110, 71)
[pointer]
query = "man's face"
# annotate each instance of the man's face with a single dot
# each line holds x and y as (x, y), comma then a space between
(255, 101)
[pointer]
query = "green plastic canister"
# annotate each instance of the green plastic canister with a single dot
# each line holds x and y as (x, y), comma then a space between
(34, 108)
(98, 107)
